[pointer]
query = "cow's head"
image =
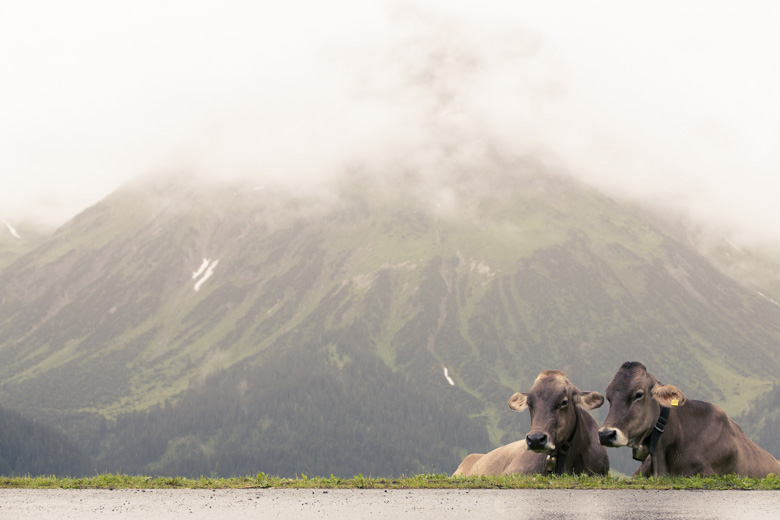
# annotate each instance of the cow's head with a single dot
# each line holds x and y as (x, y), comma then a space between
(635, 399)
(552, 401)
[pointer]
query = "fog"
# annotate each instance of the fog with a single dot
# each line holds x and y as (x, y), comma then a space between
(667, 102)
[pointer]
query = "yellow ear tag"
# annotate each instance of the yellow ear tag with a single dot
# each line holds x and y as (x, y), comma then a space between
(675, 402)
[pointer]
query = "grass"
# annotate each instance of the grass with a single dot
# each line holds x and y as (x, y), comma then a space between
(426, 481)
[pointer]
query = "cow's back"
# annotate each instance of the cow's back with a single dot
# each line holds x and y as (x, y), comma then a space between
(707, 441)
(464, 468)
(511, 458)
(753, 460)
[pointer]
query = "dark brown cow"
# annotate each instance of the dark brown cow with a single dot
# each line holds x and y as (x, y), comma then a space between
(563, 436)
(681, 436)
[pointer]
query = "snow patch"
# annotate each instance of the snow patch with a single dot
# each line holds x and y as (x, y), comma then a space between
(764, 296)
(11, 229)
(206, 275)
(202, 268)
(729, 242)
(482, 268)
(449, 379)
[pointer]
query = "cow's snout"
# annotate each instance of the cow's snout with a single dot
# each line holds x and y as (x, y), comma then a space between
(612, 437)
(537, 441)
(607, 437)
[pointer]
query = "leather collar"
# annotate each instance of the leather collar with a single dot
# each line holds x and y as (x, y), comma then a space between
(648, 445)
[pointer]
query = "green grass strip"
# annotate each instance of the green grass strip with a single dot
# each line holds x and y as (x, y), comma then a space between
(427, 481)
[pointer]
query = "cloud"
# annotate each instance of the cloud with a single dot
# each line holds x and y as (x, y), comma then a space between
(665, 102)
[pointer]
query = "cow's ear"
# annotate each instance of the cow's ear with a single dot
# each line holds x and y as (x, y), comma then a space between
(518, 402)
(589, 400)
(668, 395)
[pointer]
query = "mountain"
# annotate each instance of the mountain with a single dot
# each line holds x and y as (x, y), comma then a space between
(17, 240)
(30, 448)
(754, 265)
(375, 326)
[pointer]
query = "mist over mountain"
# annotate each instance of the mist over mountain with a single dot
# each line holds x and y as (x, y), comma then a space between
(677, 110)
(374, 325)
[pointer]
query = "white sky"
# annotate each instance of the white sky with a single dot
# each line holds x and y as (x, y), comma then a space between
(674, 101)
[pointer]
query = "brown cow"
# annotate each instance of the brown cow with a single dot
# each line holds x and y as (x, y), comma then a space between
(563, 436)
(682, 436)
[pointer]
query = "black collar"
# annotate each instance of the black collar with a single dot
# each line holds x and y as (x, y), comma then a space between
(648, 445)
(554, 461)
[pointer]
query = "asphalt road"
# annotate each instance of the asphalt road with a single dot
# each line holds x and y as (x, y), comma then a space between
(394, 504)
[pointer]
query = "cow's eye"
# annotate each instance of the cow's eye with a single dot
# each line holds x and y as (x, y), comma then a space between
(564, 403)
(638, 396)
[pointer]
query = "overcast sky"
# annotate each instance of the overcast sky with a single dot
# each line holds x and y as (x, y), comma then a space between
(673, 101)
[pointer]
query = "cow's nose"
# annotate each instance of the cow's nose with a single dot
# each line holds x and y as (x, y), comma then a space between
(608, 437)
(536, 441)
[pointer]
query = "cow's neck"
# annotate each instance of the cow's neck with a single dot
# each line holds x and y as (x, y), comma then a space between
(557, 461)
(649, 444)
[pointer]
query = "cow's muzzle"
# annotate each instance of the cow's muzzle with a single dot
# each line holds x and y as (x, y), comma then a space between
(539, 442)
(612, 437)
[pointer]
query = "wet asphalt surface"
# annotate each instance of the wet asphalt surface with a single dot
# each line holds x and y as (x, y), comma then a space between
(395, 504)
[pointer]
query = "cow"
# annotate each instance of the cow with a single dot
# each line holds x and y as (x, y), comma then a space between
(563, 436)
(673, 435)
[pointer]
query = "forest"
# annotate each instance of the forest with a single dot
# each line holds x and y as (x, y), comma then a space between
(30, 448)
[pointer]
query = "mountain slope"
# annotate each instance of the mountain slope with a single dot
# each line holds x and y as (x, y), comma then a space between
(27, 447)
(452, 297)
(15, 241)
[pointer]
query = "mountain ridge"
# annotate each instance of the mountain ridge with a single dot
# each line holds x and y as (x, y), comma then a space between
(493, 280)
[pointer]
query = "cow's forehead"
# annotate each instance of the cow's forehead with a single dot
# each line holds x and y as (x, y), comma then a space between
(629, 376)
(551, 380)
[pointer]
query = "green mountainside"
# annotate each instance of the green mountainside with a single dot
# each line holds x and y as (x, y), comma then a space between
(15, 241)
(181, 326)
(31, 448)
